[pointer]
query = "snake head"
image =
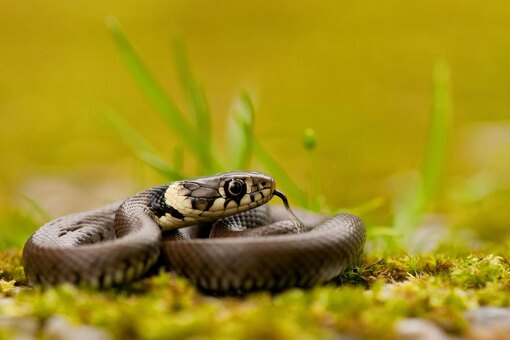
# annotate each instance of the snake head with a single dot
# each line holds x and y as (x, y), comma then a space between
(210, 198)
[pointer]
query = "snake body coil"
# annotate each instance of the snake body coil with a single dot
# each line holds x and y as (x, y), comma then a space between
(251, 248)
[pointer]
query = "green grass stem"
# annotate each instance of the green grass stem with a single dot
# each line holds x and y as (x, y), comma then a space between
(277, 171)
(152, 89)
(429, 179)
(198, 105)
(437, 140)
(239, 133)
(240, 141)
(140, 147)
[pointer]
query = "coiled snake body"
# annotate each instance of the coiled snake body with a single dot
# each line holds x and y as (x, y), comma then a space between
(250, 250)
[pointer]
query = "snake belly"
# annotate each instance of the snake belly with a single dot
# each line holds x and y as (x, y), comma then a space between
(252, 247)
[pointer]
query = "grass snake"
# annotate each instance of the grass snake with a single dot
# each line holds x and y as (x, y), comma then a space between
(215, 230)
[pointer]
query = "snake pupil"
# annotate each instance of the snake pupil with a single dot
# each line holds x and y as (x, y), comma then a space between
(236, 188)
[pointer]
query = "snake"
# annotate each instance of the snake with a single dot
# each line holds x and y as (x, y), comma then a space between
(217, 231)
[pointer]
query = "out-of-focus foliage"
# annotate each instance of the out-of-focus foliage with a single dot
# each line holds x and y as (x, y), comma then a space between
(195, 136)
(358, 73)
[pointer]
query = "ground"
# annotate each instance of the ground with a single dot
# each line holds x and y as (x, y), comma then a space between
(382, 297)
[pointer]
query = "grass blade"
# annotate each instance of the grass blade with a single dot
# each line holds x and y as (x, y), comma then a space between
(365, 207)
(437, 140)
(160, 165)
(37, 208)
(276, 170)
(429, 179)
(197, 103)
(178, 158)
(139, 146)
(239, 133)
(151, 88)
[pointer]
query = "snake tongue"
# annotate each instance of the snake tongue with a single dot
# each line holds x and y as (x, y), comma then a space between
(293, 217)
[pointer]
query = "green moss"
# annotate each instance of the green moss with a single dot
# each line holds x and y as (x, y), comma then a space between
(10, 267)
(364, 301)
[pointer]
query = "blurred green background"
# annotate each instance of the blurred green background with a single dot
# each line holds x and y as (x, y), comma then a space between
(358, 73)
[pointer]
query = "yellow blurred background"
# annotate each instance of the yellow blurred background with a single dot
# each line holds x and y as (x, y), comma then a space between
(357, 72)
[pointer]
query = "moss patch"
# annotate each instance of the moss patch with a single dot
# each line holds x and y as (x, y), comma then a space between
(364, 301)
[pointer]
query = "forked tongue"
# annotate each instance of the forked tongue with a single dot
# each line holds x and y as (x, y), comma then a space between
(293, 217)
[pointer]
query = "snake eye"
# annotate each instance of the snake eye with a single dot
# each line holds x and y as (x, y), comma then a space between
(235, 188)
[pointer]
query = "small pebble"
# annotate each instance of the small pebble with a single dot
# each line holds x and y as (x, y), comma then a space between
(21, 328)
(419, 329)
(489, 323)
(59, 328)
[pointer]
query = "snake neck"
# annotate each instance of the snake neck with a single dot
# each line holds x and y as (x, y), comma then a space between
(137, 212)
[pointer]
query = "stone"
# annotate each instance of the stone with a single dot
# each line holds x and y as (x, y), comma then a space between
(59, 328)
(419, 329)
(489, 323)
